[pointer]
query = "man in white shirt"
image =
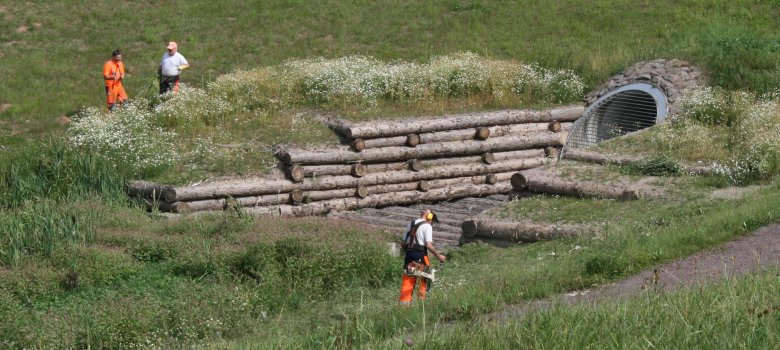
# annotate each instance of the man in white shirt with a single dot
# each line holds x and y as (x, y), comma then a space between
(171, 65)
(417, 242)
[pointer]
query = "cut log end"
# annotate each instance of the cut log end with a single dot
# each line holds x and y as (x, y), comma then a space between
(469, 228)
(482, 133)
(423, 186)
(296, 196)
(488, 158)
(358, 145)
(361, 192)
(554, 126)
(518, 181)
(551, 152)
(297, 173)
(412, 140)
(415, 165)
(177, 207)
(491, 179)
(358, 170)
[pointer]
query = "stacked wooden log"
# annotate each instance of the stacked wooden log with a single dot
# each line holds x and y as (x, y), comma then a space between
(391, 163)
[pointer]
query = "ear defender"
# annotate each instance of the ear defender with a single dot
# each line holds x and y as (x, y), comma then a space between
(429, 216)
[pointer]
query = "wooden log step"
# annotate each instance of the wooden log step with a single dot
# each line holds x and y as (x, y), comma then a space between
(341, 155)
(381, 200)
(485, 202)
(551, 182)
(520, 231)
(453, 207)
(298, 173)
(262, 187)
(402, 212)
(398, 226)
(520, 154)
(464, 207)
(462, 121)
(478, 133)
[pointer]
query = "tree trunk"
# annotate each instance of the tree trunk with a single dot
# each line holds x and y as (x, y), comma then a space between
(432, 150)
(550, 182)
(463, 121)
(261, 187)
(380, 200)
(519, 231)
(298, 172)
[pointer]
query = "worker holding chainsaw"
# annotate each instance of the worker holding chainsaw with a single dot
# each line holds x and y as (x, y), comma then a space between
(113, 74)
(417, 242)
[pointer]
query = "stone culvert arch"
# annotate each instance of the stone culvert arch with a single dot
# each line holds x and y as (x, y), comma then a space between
(640, 97)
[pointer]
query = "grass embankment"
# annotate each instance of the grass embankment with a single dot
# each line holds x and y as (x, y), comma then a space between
(71, 278)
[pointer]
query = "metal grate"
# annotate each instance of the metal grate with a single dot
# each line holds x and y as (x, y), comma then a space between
(625, 110)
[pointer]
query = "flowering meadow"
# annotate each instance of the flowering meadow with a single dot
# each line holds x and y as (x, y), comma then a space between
(229, 126)
(735, 132)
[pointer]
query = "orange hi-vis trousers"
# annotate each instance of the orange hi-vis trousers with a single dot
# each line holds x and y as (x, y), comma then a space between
(115, 93)
(407, 285)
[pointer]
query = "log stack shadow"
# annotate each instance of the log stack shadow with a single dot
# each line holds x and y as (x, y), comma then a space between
(387, 163)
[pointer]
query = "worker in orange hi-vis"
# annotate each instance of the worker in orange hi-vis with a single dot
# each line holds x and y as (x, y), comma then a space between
(113, 74)
(417, 242)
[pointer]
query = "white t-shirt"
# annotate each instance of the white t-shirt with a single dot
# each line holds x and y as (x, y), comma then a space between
(170, 64)
(424, 232)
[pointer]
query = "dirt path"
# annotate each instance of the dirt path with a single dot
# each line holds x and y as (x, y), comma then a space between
(753, 252)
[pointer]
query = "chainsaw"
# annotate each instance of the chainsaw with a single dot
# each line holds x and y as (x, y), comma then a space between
(419, 270)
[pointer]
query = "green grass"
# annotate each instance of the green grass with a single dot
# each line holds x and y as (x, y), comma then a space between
(295, 283)
(74, 279)
(51, 68)
(732, 313)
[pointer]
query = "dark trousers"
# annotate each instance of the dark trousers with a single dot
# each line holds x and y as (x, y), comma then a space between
(168, 83)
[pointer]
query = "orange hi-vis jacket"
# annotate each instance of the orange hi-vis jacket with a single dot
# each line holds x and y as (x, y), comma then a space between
(113, 69)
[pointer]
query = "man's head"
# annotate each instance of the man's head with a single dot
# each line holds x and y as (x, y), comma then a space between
(172, 47)
(429, 215)
(116, 55)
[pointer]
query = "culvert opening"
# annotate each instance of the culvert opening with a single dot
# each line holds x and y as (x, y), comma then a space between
(627, 109)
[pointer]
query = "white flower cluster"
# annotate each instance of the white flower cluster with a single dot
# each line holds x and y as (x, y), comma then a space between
(360, 79)
(548, 85)
(739, 132)
(192, 109)
(128, 136)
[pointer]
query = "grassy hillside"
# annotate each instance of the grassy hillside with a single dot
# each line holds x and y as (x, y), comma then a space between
(52, 52)
(81, 267)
